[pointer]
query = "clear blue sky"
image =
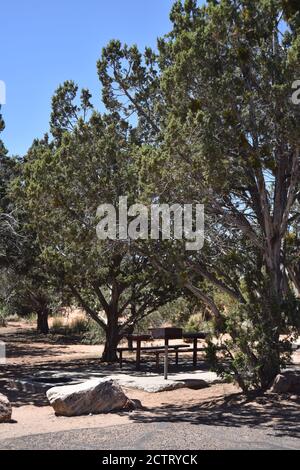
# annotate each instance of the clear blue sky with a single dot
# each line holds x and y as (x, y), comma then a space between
(45, 42)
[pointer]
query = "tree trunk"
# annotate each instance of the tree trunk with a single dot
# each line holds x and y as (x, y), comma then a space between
(42, 321)
(112, 339)
(271, 364)
(294, 275)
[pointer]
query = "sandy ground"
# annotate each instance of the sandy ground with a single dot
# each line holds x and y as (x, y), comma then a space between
(25, 347)
(30, 419)
(217, 405)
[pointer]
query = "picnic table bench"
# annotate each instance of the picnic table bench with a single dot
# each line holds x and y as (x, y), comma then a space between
(157, 350)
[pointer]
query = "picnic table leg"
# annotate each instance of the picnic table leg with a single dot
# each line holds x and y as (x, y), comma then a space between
(195, 352)
(121, 359)
(157, 360)
(130, 344)
(138, 355)
(176, 356)
(166, 359)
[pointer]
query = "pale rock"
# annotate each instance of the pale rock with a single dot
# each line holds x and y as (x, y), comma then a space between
(5, 409)
(91, 397)
(286, 382)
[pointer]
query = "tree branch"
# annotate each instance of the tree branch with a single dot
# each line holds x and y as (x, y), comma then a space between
(87, 308)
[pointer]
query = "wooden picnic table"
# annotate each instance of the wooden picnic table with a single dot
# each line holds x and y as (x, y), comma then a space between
(138, 339)
(195, 337)
(166, 334)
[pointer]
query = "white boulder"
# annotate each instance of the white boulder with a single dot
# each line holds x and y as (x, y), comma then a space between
(91, 397)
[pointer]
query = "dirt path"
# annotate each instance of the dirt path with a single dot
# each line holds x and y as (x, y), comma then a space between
(25, 347)
(218, 405)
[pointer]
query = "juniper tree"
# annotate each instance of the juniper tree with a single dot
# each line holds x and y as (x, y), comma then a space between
(227, 135)
(89, 163)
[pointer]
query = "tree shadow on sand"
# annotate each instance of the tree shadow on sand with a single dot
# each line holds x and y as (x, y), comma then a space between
(269, 411)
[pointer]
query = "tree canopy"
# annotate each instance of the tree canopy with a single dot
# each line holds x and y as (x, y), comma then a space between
(62, 185)
(207, 118)
(224, 119)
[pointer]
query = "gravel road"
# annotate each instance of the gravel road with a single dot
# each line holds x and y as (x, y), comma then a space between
(156, 436)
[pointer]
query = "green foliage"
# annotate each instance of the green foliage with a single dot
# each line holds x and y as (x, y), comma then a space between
(214, 124)
(62, 184)
(6, 315)
(130, 86)
(77, 327)
(196, 323)
(251, 346)
(9, 240)
(84, 330)
(94, 334)
(3, 315)
(231, 127)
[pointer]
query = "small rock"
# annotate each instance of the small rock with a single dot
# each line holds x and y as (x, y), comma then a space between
(5, 409)
(92, 397)
(132, 405)
(196, 384)
(287, 382)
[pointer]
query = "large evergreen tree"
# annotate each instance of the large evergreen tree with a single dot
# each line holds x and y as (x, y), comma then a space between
(227, 135)
(89, 163)
(25, 287)
(8, 223)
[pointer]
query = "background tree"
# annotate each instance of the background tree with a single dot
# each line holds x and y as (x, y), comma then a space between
(131, 88)
(62, 184)
(8, 222)
(25, 287)
(227, 71)
(229, 138)
(209, 120)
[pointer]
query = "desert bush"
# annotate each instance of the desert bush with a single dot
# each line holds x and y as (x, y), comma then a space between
(3, 313)
(177, 312)
(57, 325)
(196, 323)
(93, 334)
(87, 332)
(13, 317)
(183, 312)
(253, 347)
(77, 327)
(155, 320)
(7, 316)
(30, 318)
